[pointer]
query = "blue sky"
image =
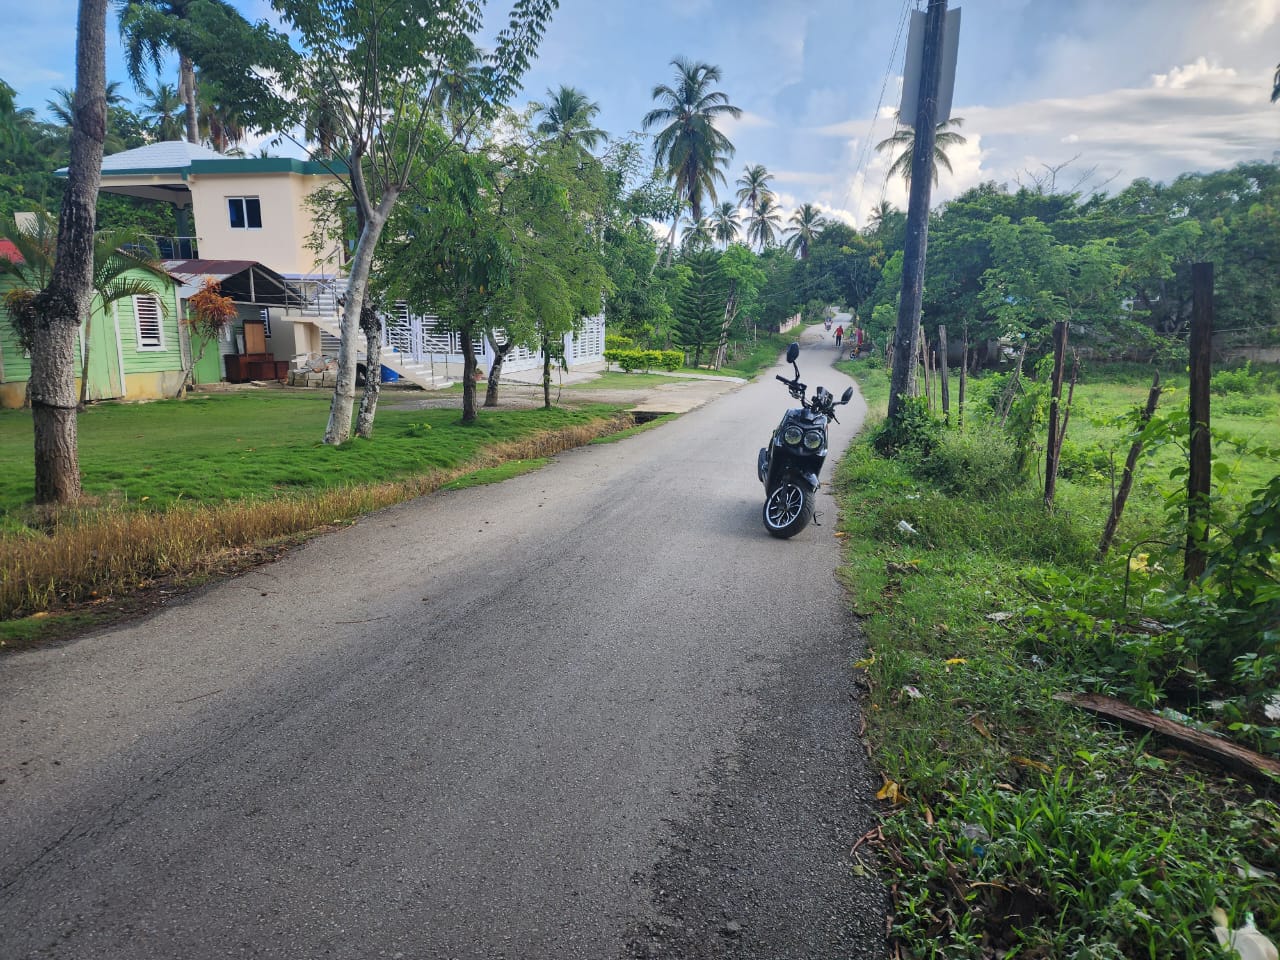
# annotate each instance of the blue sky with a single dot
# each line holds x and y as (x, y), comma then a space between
(1130, 88)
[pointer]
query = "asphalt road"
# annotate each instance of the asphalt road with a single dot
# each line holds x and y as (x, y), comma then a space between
(591, 712)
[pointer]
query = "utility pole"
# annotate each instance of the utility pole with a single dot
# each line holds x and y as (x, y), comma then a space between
(1200, 465)
(906, 338)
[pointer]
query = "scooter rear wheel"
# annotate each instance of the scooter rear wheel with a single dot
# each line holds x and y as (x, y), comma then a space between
(788, 508)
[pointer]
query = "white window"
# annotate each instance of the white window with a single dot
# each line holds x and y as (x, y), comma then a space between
(146, 310)
(245, 213)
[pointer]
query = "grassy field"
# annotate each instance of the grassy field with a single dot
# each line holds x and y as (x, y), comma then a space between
(180, 490)
(217, 447)
(1015, 824)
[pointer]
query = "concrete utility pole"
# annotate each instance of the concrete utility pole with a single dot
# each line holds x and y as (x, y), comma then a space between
(906, 339)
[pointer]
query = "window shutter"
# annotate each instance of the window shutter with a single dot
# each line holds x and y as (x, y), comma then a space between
(150, 331)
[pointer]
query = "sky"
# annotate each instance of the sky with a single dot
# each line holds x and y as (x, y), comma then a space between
(1090, 93)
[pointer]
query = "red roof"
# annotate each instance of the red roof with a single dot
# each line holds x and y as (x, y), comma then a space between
(9, 251)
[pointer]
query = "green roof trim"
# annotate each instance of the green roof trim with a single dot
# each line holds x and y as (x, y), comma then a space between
(267, 165)
(231, 166)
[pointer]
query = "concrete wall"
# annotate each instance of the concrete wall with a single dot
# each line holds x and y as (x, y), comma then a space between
(286, 219)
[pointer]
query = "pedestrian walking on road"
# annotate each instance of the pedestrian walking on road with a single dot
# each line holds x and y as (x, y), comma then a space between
(839, 334)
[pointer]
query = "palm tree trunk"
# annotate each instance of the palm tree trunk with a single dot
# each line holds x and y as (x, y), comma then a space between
(187, 90)
(66, 300)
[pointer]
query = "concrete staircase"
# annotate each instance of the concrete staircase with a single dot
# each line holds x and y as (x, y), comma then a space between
(328, 319)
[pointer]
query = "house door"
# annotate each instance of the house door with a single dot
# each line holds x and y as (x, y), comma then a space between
(103, 340)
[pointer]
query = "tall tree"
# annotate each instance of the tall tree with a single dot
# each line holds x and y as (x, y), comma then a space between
(210, 34)
(688, 147)
(804, 226)
(382, 62)
(724, 223)
(700, 309)
(62, 108)
(752, 185)
(162, 110)
(58, 310)
(697, 235)
(764, 222)
(903, 143)
(568, 116)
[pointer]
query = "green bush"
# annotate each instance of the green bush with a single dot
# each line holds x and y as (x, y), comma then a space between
(978, 464)
(613, 341)
(1239, 380)
(632, 360)
(916, 432)
(1084, 463)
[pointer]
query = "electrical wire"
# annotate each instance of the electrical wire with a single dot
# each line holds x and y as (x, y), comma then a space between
(903, 18)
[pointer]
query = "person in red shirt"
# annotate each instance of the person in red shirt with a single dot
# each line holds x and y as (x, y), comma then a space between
(839, 334)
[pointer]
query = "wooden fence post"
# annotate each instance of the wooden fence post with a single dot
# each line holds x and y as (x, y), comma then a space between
(1200, 466)
(944, 373)
(1053, 447)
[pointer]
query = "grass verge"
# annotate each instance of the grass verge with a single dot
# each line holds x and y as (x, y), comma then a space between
(86, 559)
(1013, 824)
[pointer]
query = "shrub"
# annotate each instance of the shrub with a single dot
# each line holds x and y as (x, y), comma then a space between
(1083, 463)
(977, 464)
(613, 341)
(1239, 380)
(632, 360)
(671, 360)
(916, 432)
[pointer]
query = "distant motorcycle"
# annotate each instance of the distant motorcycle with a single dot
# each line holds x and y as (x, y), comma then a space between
(789, 466)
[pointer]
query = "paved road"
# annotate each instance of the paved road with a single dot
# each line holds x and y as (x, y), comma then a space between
(591, 712)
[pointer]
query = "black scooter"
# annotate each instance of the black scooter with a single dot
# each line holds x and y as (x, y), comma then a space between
(790, 464)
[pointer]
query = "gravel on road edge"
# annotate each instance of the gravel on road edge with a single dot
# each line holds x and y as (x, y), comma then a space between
(762, 868)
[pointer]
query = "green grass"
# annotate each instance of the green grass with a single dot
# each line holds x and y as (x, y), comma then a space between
(505, 471)
(1024, 825)
(220, 447)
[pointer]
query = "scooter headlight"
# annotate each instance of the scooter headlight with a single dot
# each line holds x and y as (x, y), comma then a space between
(792, 436)
(813, 439)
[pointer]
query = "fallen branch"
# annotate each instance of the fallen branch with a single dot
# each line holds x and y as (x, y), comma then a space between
(1230, 755)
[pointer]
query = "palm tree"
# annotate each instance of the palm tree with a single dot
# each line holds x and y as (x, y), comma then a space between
(724, 223)
(689, 147)
(152, 28)
(63, 109)
(805, 225)
(904, 138)
(697, 236)
(568, 117)
(752, 185)
(162, 109)
(765, 222)
(221, 125)
(879, 216)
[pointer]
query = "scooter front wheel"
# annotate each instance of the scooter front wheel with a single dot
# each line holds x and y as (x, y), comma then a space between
(788, 508)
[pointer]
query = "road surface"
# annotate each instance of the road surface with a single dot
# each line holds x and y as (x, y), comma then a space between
(591, 712)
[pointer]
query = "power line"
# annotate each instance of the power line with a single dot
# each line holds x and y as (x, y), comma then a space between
(903, 17)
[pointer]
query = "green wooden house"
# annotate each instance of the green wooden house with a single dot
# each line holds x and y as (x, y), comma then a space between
(137, 347)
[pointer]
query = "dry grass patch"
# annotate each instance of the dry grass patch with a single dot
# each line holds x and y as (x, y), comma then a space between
(85, 555)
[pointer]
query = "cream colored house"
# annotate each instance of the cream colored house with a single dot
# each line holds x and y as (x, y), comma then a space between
(236, 211)
(230, 208)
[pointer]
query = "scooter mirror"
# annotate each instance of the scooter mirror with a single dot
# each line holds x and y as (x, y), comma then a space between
(847, 395)
(793, 351)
